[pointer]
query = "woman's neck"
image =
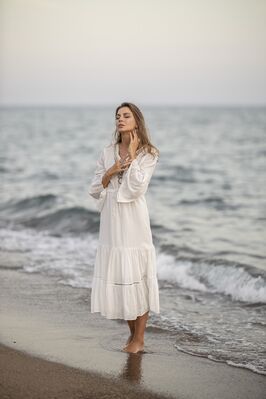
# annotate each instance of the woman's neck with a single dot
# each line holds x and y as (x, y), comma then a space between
(125, 140)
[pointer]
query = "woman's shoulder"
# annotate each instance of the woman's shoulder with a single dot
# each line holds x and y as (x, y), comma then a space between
(107, 147)
(148, 154)
(107, 151)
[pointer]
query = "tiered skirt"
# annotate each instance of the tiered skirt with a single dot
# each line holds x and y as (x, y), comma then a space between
(125, 284)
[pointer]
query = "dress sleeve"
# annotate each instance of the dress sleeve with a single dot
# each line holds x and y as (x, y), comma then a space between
(96, 189)
(137, 178)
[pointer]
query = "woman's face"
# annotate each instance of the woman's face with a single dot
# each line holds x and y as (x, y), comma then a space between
(125, 120)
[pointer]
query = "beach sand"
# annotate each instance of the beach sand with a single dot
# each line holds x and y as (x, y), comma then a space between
(28, 377)
(53, 347)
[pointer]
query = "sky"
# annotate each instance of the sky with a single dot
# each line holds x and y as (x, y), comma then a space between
(101, 52)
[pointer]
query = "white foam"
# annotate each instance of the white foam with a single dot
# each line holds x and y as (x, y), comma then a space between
(72, 258)
(234, 281)
(246, 366)
(68, 258)
(180, 273)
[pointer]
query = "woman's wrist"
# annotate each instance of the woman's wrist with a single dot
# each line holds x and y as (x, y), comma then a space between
(106, 178)
(108, 173)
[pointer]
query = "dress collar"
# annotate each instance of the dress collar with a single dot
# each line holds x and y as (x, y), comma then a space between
(116, 151)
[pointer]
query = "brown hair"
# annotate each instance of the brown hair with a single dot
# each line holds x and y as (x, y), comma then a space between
(142, 131)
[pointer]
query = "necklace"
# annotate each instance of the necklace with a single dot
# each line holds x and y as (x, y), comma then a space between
(118, 157)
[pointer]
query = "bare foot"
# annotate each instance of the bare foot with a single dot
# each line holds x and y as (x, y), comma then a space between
(130, 338)
(134, 347)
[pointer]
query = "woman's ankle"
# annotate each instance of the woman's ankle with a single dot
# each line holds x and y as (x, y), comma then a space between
(139, 340)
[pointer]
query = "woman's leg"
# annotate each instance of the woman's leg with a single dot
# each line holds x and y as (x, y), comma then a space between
(140, 327)
(131, 325)
(137, 343)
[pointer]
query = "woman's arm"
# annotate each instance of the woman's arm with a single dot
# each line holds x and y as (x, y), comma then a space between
(106, 178)
(137, 178)
(113, 170)
(96, 185)
(102, 176)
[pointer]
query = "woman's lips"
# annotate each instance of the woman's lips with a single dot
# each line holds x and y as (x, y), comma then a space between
(121, 125)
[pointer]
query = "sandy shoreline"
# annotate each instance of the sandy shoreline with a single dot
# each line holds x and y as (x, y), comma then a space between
(51, 321)
(25, 376)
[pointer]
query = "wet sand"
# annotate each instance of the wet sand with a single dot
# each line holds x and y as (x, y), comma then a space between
(24, 376)
(52, 346)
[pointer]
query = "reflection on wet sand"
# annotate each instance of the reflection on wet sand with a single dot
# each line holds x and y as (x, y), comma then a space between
(132, 370)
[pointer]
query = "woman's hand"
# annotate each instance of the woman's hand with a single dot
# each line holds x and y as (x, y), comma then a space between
(134, 143)
(119, 166)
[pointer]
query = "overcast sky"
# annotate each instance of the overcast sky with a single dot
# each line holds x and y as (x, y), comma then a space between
(144, 51)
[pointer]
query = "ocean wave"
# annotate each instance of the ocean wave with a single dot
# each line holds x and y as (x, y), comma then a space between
(173, 177)
(232, 280)
(68, 258)
(75, 220)
(237, 281)
(40, 213)
(31, 204)
(35, 212)
(248, 366)
(253, 367)
(216, 202)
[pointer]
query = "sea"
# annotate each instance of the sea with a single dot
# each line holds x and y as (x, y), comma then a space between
(207, 206)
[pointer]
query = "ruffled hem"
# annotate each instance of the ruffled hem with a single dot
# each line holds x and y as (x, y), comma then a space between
(123, 301)
(125, 283)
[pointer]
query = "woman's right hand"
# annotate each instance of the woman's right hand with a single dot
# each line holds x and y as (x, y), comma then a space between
(118, 166)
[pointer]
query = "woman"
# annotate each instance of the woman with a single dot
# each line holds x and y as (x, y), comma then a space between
(125, 284)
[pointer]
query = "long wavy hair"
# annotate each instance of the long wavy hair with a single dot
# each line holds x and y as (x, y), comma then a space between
(142, 130)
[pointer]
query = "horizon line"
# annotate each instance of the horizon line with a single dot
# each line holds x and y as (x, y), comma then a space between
(230, 105)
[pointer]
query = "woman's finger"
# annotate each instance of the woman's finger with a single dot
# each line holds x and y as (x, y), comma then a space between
(126, 164)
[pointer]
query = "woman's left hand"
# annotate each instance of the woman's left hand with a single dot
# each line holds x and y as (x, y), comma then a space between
(134, 143)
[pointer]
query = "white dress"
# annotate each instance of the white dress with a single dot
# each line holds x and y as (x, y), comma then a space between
(124, 284)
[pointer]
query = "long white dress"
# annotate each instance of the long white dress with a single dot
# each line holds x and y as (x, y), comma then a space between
(124, 284)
